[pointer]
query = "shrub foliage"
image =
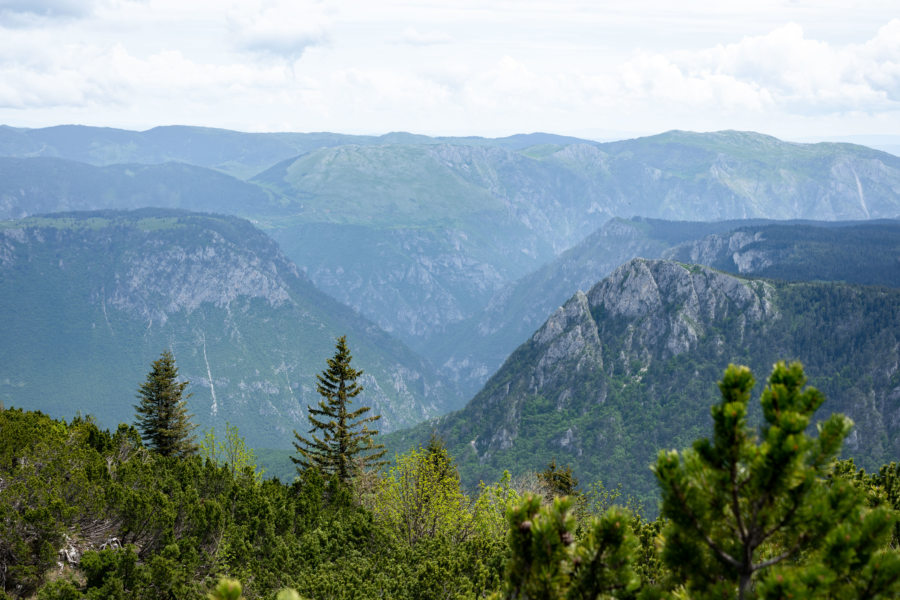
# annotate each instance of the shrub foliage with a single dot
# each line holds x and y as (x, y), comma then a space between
(87, 513)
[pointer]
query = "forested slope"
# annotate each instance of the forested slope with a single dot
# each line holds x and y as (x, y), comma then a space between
(626, 369)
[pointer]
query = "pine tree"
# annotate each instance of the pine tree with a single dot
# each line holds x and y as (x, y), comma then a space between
(346, 443)
(760, 516)
(547, 562)
(162, 414)
(558, 480)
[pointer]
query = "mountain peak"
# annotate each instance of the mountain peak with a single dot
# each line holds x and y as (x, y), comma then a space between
(669, 305)
(630, 367)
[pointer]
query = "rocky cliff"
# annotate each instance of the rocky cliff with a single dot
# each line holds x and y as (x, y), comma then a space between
(476, 347)
(630, 367)
(851, 251)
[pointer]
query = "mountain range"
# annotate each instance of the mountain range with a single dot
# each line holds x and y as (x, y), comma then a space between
(450, 225)
(438, 257)
(427, 236)
(236, 153)
(866, 252)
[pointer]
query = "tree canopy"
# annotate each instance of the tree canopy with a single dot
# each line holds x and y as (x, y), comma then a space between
(86, 513)
(162, 414)
(744, 508)
(340, 442)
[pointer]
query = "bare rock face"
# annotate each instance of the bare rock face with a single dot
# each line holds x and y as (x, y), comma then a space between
(708, 250)
(569, 332)
(751, 261)
(647, 310)
(738, 247)
(69, 554)
(669, 306)
(162, 279)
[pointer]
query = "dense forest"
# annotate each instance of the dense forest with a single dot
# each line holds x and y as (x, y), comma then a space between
(144, 512)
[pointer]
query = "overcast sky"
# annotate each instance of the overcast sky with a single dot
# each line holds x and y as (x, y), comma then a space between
(797, 69)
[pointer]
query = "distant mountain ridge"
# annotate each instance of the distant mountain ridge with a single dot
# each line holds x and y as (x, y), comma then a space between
(237, 153)
(88, 300)
(460, 222)
(630, 367)
(30, 186)
(437, 229)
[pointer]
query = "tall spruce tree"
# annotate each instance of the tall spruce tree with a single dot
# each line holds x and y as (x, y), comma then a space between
(761, 517)
(162, 415)
(346, 443)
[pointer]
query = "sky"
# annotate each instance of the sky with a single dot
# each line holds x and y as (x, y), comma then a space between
(797, 69)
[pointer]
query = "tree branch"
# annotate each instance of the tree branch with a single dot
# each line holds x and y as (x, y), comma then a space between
(724, 556)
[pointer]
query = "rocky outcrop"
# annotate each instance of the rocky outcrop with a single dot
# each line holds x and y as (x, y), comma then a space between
(569, 332)
(646, 311)
(160, 279)
(714, 249)
(669, 307)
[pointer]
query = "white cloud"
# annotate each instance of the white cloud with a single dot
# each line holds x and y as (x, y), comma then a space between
(780, 70)
(414, 37)
(461, 67)
(283, 29)
(35, 73)
(879, 61)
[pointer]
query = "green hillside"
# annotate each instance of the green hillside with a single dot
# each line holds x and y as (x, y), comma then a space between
(733, 174)
(89, 300)
(237, 153)
(627, 369)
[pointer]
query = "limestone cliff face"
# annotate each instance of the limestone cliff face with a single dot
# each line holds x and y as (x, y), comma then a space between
(165, 266)
(669, 306)
(569, 333)
(518, 309)
(713, 249)
(646, 311)
(159, 279)
(855, 252)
